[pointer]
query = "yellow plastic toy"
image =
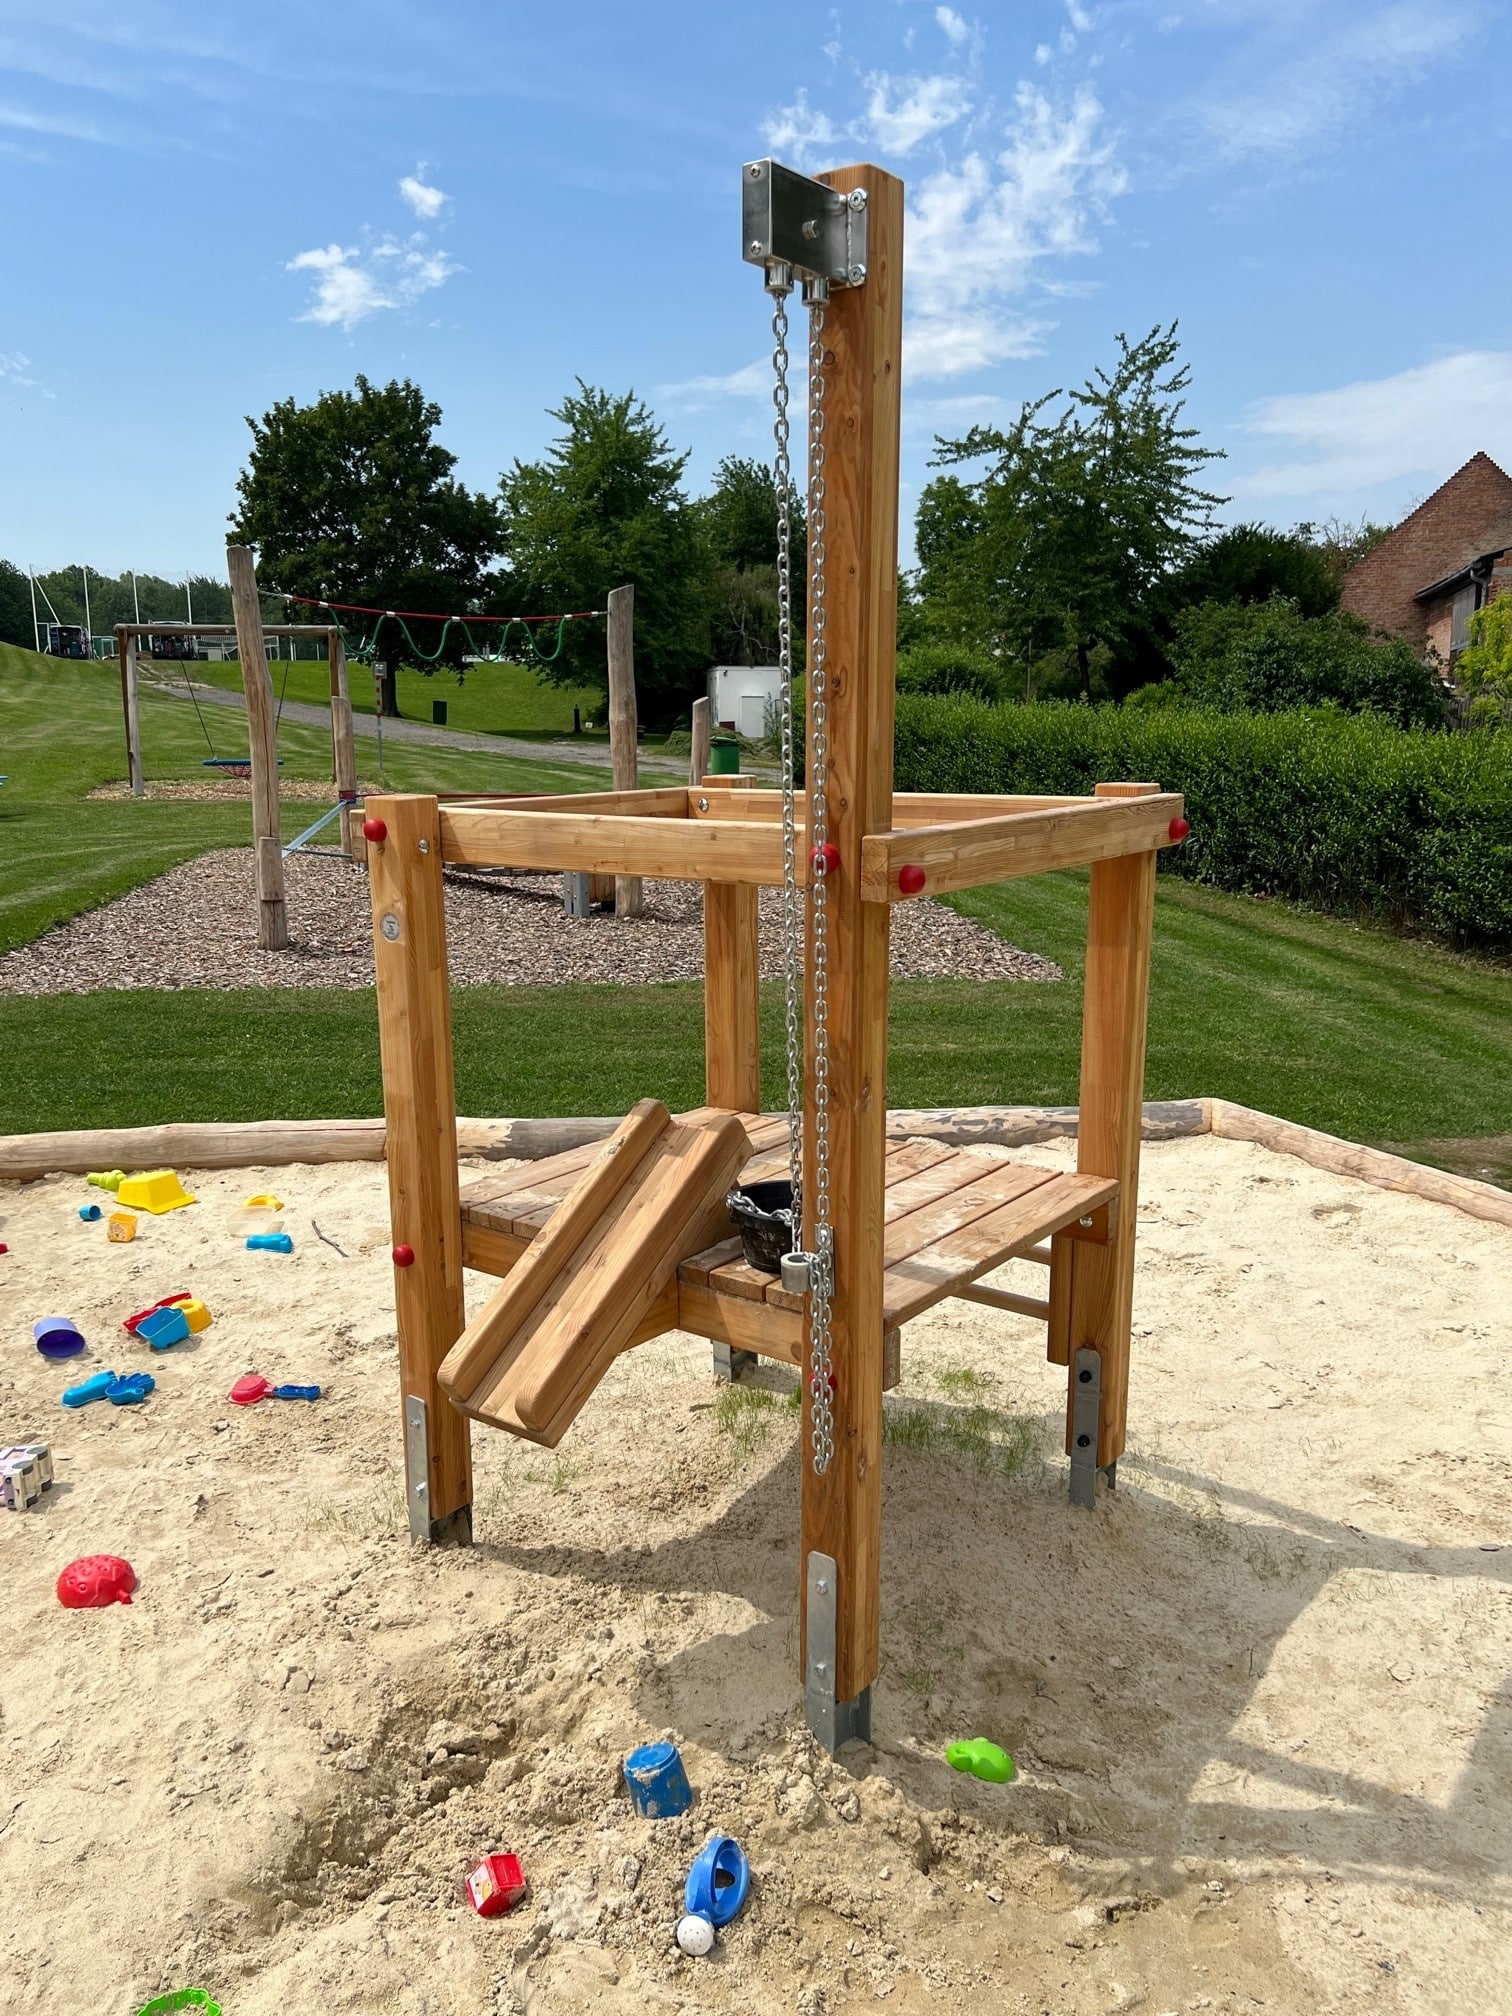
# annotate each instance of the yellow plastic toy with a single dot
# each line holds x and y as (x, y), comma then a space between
(263, 1201)
(196, 1315)
(159, 1192)
(107, 1179)
(119, 1229)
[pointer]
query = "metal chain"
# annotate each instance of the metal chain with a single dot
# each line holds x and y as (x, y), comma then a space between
(821, 1392)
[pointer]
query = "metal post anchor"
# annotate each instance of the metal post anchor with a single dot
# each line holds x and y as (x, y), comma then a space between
(730, 1363)
(1086, 1410)
(833, 1722)
(456, 1529)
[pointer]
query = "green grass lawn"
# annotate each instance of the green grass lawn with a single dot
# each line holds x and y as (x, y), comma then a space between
(1346, 1029)
(491, 700)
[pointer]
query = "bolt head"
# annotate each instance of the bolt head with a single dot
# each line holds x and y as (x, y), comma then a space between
(390, 927)
(857, 199)
(911, 878)
(755, 171)
(404, 1256)
(1087, 1222)
(374, 830)
(1179, 829)
(855, 275)
(756, 246)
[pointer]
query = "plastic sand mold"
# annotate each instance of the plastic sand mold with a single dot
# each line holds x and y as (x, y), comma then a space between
(181, 1998)
(157, 1193)
(95, 1582)
(57, 1337)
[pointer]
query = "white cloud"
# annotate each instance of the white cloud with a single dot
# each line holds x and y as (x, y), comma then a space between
(14, 367)
(426, 202)
(923, 106)
(1418, 424)
(1078, 16)
(796, 133)
(979, 232)
(694, 395)
(351, 285)
(954, 27)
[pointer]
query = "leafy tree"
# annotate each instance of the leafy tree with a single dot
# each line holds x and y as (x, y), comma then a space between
(1484, 667)
(352, 498)
(944, 669)
(1079, 515)
(15, 607)
(739, 521)
(1261, 657)
(604, 507)
(1250, 563)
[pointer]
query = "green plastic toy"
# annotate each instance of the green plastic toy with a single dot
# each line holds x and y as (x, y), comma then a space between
(182, 1998)
(983, 1760)
(107, 1179)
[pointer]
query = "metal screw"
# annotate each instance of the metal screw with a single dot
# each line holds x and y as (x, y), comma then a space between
(754, 171)
(425, 846)
(1085, 1378)
(1084, 1441)
(811, 228)
(856, 275)
(389, 926)
(1085, 1221)
(822, 1585)
(703, 804)
(857, 199)
(756, 245)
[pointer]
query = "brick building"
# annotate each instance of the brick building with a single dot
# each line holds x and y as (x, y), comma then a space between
(1444, 561)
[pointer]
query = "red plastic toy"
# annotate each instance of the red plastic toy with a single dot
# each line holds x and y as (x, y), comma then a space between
(496, 1885)
(95, 1582)
(251, 1388)
(167, 1302)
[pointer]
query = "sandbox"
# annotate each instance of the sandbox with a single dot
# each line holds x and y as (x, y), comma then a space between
(1258, 1704)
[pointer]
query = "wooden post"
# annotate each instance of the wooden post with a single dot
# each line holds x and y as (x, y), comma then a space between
(732, 997)
(842, 1510)
(127, 645)
(420, 1113)
(623, 724)
(698, 764)
(343, 749)
(262, 737)
(1094, 1284)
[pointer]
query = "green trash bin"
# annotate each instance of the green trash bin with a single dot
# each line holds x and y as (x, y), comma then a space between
(438, 713)
(724, 756)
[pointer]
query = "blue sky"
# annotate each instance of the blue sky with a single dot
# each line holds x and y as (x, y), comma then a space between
(212, 206)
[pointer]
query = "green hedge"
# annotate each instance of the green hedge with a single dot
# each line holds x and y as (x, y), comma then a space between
(1345, 813)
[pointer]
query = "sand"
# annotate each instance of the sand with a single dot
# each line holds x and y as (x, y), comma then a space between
(1259, 1699)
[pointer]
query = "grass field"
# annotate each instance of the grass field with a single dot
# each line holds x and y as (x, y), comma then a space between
(491, 700)
(1341, 1028)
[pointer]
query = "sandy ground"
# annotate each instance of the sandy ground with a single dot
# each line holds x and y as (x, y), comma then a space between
(1260, 1698)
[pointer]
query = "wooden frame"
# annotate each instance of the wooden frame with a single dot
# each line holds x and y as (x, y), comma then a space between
(898, 1249)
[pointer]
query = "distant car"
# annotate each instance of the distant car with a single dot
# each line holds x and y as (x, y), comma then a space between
(179, 642)
(66, 640)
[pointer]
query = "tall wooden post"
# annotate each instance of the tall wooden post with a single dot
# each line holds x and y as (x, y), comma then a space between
(126, 642)
(842, 1509)
(420, 1112)
(1094, 1283)
(698, 762)
(262, 738)
(623, 725)
(343, 749)
(732, 997)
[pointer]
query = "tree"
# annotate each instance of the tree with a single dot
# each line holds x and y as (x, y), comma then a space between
(1260, 657)
(15, 608)
(1484, 668)
(1250, 563)
(353, 499)
(1078, 516)
(604, 507)
(739, 520)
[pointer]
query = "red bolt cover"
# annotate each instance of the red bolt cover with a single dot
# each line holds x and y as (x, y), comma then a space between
(826, 859)
(496, 1885)
(374, 830)
(834, 1383)
(910, 878)
(404, 1256)
(1179, 829)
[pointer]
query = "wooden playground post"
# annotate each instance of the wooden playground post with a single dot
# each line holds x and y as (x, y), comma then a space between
(623, 724)
(1093, 1282)
(343, 750)
(126, 643)
(262, 738)
(420, 1107)
(698, 761)
(842, 1510)
(732, 999)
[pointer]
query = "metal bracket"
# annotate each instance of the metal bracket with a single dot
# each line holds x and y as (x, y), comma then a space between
(730, 1362)
(1086, 1414)
(833, 1722)
(417, 1467)
(577, 894)
(786, 219)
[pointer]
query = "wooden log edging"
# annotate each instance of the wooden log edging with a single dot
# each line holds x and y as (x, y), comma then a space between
(25, 1158)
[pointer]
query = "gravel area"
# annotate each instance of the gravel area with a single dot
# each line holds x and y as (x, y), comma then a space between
(510, 930)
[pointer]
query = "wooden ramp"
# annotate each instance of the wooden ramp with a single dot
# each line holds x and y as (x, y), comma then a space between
(592, 1278)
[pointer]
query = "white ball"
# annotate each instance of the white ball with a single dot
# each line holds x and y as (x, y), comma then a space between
(695, 1935)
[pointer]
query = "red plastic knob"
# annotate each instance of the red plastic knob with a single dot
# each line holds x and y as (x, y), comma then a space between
(826, 859)
(374, 830)
(404, 1256)
(834, 1383)
(1179, 829)
(910, 878)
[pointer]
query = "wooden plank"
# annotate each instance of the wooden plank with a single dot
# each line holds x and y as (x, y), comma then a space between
(909, 808)
(698, 761)
(684, 850)
(862, 357)
(732, 997)
(968, 853)
(945, 1216)
(924, 1277)
(419, 1103)
(623, 726)
(126, 644)
(662, 802)
(1120, 922)
(262, 736)
(1004, 1298)
(747, 1326)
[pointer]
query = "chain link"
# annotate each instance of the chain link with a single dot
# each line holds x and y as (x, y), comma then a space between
(820, 1380)
(779, 285)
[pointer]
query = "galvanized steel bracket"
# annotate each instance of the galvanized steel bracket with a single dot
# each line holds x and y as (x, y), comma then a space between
(786, 219)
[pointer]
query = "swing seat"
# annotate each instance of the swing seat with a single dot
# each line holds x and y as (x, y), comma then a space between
(583, 1291)
(233, 766)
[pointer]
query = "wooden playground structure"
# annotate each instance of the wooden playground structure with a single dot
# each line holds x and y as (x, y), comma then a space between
(605, 1247)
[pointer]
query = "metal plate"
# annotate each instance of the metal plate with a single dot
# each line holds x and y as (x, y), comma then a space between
(833, 1722)
(416, 1467)
(1086, 1406)
(787, 217)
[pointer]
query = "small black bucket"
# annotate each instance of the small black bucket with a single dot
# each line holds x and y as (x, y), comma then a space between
(764, 1213)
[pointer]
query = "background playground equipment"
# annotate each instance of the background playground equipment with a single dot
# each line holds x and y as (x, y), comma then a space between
(913, 1223)
(26, 1471)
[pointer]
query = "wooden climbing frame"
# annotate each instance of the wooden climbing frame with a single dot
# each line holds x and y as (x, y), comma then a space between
(915, 1223)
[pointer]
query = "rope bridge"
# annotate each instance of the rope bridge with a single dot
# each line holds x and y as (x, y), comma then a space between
(359, 646)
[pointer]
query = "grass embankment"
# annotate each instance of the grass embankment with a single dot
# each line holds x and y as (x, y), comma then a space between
(1346, 1029)
(490, 700)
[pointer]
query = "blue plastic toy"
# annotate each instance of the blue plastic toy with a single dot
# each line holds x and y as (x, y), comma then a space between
(718, 1881)
(92, 1389)
(270, 1242)
(132, 1390)
(162, 1327)
(296, 1392)
(90, 1213)
(658, 1783)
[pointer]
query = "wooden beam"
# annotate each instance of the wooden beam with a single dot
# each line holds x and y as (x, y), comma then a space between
(965, 854)
(343, 748)
(262, 737)
(698, 761)
(623, 725)
(127, 646)
(419, 1103)
(1097, 1290)
(862, 356)
(669, 802)
(1003, 1298)
(684, 850)
(732, 997)
(910, 808)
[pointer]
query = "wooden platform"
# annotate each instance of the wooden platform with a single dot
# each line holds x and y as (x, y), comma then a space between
(950, 1215)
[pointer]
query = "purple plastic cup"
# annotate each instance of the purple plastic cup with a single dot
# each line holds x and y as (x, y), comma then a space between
(57, 1337)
